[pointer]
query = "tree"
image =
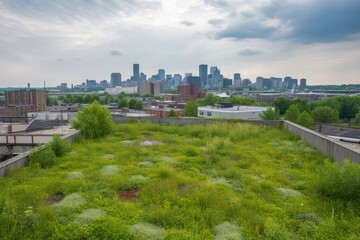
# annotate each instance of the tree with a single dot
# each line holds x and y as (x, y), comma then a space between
(292, 113)
(211, 99)
(356, 120)
(305, 119)
(93, 121)
(132, 103)
(270, 114)
(172, 113)
(190, 109)
(59, 145)
(123, 103)
(325, 114)
(282, 104)
(301, 103)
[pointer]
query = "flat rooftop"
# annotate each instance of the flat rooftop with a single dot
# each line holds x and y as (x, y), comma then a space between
(234, 109)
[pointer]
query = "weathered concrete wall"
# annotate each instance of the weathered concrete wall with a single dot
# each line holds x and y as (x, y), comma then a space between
(189, 121)
(21, 159)
(331, 148)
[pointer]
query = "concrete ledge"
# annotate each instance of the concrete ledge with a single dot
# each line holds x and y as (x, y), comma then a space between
(21, 159)
(331, 148)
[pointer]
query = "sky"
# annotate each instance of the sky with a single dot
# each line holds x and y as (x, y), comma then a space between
(71, 41)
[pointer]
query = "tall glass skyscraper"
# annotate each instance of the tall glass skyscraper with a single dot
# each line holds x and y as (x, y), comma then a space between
(136, 72)
(203, 74)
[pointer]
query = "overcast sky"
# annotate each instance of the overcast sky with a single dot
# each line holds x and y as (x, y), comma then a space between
(71, 41)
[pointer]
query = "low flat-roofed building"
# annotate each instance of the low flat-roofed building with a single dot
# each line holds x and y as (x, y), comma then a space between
(243, 112)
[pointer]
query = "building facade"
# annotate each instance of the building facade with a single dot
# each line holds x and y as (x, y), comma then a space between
(203, 74)
(115, 80)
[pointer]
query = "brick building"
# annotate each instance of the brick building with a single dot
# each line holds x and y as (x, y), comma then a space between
(19, 103)
(185, 93)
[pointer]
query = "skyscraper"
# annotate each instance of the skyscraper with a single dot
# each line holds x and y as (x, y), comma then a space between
(303, 83)
(161, 74)
(136, 72)
(237, 79)
(115, 79)
(203, 74)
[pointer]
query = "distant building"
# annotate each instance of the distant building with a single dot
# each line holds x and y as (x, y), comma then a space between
(177, 78)
(237, 79)
(203, 74)
(290, 82)
(262, 83)
(104, 84)
(193, 80)
(246, 82)
(215, 77)
(19, 103)
(90, 83)
(303, 83)
(185, 93)
(142, 77)
(63, 85)
(226, 82)
(136, 72)
(150, 88)
(224, 111)
(275, 82)
(115, 80)
(161, 74)
(116, 90)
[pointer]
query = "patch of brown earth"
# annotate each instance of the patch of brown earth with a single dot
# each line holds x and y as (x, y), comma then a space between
(129, 195)
(55, 198)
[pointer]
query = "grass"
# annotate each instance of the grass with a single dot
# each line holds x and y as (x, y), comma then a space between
(220, 181)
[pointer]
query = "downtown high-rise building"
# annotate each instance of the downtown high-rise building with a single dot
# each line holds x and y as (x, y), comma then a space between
(237, 79)
(115, 79)
(161, 74)
(136, 72)
(203, 74)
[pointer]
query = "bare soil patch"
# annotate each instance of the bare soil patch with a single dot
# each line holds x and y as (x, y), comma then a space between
(129, 195)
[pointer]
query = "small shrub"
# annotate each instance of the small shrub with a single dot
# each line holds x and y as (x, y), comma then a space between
(340, 182)
(227, 231)
(70, 201)
(42, 156)
(109, 170)
(90, 215)
(147, 231)
(289, 193)
(59, 146)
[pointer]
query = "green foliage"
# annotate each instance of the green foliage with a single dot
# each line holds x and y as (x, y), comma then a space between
(172, 113)
(242, 101)
(135, 104)
(190, 109)
(210, 99)
(270, 114)
(292, 114)
(305, 119)
(123, 103)
(59, 146)
(94, 121)
(282, 104)
(42, 156)
(325, 115)
(356, 120)
(301, 103)
(201, 182)
(341, 182)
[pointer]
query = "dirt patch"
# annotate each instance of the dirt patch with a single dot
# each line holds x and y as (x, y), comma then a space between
(55, 198)
(129, 195)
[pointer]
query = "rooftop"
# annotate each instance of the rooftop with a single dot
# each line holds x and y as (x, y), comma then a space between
(234, 109)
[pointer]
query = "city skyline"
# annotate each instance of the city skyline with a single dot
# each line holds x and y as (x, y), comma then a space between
(55, 42)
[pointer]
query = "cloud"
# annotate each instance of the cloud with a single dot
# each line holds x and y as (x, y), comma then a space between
(217, 3)
(115, 53)
(245, 29)
(320, 21)
(249, 52)
(216, 22)
(187, 23)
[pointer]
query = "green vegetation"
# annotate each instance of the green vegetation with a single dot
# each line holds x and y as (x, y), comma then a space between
(325, 115)
(270, 114)
(292, 114)
(190, 109)
(151, 181)
(93, 121)
(172, 113)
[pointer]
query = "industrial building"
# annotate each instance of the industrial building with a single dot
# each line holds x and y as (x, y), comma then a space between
(227, 110)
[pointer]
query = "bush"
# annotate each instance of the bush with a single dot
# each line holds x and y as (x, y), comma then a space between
(42, 156)
(340, 182)
(93, 121)
(59, 145)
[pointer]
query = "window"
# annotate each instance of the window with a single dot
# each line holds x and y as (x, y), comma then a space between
(209, 114)
(201, 113)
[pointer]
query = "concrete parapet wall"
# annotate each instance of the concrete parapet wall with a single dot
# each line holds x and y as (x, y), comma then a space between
(21, 159)
(333, 149)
